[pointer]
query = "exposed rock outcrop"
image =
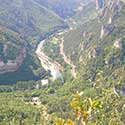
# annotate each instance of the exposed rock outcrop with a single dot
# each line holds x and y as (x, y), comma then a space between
(68, 60)
(87, 34)
(12, 65)
(110, 21)
(80, 59)
(106, 30)
(99, 4)
(95, 52)
(115, 5)
(112, 8)
(118, 44)
(48, 64)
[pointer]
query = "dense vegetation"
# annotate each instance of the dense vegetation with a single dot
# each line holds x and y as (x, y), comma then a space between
(99, 62)
(62, 8)
(29, 18)
(14, 48)
(24, 24)
(95, 97)
(57, 98)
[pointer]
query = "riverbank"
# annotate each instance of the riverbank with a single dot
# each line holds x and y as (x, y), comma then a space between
(47, 63)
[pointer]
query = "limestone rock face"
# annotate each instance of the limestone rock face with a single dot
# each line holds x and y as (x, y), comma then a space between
(95, 52)
(12, 65)
(115, 5)
(106, 30)
(118, 44)
(110, 21)
(99, 4)
(111, 9)
(123, 114)
(88, 35)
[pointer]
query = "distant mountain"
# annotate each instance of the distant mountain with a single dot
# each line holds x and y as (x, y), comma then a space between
(99, 4)
(89, 56)
(99, 43)
(63, 8)
(85, 13)
(23, 23)
(28, 18)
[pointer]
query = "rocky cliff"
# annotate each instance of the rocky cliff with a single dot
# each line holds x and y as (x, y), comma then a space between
(99, 4)
(13, 65)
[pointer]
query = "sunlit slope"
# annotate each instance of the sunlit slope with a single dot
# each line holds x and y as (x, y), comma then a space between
(28, 17)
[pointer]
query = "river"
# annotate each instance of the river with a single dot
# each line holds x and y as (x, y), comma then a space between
(47, 63)
(52, 66)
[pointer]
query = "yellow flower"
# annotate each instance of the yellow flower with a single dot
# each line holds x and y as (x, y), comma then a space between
(70, 122)
(60, 121)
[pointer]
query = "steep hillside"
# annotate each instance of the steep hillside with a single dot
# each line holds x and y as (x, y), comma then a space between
(64, 9)
(99, 44)
(85, 13)
(97, 49)
(28, 18)
(96, 46)
(11, 54)
(23, 24)
(91, 58)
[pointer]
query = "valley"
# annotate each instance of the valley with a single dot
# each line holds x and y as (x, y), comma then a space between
(53, 66)
(47, 63)
(62, 62)
(67, 61)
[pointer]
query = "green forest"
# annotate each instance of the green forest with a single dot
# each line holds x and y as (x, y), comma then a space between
(62, 62)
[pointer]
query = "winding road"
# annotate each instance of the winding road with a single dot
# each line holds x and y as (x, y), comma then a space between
(67, 60)
(54, 67)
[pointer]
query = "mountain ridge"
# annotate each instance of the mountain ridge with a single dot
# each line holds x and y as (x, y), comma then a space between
(94, 46)
(24, 21)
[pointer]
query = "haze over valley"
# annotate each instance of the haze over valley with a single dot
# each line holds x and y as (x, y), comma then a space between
(62, 62)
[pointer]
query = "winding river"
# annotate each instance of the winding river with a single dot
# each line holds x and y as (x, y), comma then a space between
(47, 62)
(52, 66)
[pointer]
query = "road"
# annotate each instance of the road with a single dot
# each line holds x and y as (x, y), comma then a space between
(54, 67)
(67, 60)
